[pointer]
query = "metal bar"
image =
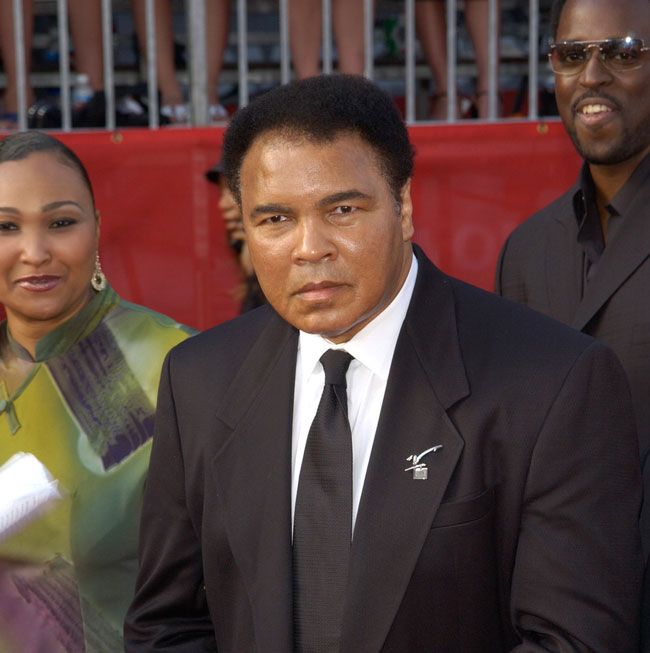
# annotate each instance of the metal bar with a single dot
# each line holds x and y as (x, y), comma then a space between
(410, 60)
(107, 46)
(285, 62)
(198, 72)
(327, 36)
(368, 38)
(21, 73)
(152, 85)
(64, 64)
(493, 59)
(533, 60)
(452, 62)
(242, 52)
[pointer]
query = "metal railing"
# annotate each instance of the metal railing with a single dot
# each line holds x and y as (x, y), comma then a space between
(196, 39)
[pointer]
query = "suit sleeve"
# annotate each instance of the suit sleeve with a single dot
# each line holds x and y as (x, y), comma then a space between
(498, 277)
(510, 279)
(169, 611)
(578, 569)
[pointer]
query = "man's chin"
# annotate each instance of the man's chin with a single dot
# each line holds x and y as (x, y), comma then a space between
(334, 331)
(330, 333)
(609, 153)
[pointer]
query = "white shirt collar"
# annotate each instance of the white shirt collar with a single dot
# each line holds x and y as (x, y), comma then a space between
(374, 345)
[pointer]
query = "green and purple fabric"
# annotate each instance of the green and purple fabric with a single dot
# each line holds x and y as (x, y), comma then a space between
(84, 406)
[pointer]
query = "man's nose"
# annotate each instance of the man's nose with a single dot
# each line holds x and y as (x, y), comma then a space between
(595, 73)
(313, 241)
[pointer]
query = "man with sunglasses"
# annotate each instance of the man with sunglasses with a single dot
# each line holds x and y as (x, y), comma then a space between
(585, 258)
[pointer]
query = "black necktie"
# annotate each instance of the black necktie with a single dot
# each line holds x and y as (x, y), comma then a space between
(322, 531)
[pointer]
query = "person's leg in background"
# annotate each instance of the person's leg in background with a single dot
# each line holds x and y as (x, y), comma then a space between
(172, 101)
(8, 117)
(217, 21)
(431, 27)
(306, 36)
(477, 21)
(347, 19)
(85, 18)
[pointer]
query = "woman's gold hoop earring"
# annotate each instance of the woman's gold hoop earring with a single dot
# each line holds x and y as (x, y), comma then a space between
(98, 280)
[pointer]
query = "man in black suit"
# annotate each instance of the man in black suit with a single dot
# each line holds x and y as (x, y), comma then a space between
(585, 258)
(475, 487)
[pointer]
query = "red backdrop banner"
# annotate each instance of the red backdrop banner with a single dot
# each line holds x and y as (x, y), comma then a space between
(163, 243)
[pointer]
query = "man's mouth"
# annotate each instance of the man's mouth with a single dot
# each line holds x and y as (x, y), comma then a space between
(594, 109)
(320, 291)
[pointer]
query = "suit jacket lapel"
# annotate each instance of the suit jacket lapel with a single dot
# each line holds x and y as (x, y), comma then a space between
(253, 480)
(622, 256)
(396, 512)
(563, 263)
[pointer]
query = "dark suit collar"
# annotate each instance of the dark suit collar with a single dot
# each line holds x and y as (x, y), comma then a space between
(431, 324)
(627, 248)
(584, 192)
(562, 257)
(264, 355)
(396, 512)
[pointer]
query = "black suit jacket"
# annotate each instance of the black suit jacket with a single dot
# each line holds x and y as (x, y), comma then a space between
(541, 266)
(523, 536)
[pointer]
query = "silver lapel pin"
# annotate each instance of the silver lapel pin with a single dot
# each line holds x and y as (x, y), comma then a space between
(420, 470)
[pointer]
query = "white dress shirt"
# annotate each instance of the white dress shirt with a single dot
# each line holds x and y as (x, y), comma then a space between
(373, 349)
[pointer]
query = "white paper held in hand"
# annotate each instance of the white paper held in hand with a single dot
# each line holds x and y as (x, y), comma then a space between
(26, 489)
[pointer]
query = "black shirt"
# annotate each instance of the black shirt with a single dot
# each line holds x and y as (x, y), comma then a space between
(590, 233)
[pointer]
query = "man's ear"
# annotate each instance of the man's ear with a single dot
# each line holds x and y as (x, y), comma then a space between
(406, 211)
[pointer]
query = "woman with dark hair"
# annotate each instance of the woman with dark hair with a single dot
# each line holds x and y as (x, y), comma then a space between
(79, 370)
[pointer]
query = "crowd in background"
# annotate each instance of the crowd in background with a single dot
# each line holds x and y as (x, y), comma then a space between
(305, 35)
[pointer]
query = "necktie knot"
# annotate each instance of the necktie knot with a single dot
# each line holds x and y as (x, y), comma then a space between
(335, 362)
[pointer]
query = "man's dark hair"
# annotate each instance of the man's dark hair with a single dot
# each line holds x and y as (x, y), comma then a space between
(19, 146)
(320, 109)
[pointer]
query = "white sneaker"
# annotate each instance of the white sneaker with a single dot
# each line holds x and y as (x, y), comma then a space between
(177, 114)
(218, 113)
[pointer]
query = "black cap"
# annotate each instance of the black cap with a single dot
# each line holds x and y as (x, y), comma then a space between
(214, 173)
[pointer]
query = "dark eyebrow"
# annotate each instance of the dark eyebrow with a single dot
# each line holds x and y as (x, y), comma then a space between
(343, 196)
(47, 207)
(265, 209)
(56, 205)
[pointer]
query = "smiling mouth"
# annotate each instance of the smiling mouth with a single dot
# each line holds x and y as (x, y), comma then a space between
(38, 283)
(594, 109)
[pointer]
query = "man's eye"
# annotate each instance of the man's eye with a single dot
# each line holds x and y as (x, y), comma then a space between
(276, 219)
(8, 226)
(344, 209)
(574, 56)
(624, 56)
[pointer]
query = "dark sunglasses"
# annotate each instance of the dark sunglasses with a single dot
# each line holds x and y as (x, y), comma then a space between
(617, 55)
